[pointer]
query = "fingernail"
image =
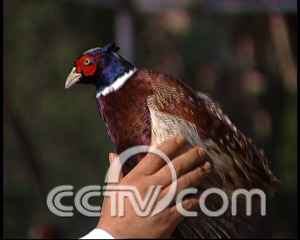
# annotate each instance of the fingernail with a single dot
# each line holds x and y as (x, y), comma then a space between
(206, 166)
(201, 152)
(180, 139)
(111, 158)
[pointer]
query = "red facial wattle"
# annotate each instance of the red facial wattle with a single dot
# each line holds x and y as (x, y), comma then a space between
(86, 64)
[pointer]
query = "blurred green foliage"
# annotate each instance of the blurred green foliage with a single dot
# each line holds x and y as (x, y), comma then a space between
(230, 57)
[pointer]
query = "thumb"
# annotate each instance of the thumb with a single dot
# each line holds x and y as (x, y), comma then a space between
(114, 159)
(111, 157)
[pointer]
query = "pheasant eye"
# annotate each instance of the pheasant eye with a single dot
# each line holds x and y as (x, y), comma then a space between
(87, 61)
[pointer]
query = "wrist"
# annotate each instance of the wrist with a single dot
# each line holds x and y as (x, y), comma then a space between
(108, 228)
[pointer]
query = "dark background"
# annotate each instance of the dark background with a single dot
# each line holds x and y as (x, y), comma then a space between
(242, 53)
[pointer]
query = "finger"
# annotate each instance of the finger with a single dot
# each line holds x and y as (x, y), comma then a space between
(111, 158)
(152, 162)
(115, 167)
(193, 178)
(182, 164)
(188, 205)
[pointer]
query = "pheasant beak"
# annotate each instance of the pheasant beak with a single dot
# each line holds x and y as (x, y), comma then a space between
(72, 78)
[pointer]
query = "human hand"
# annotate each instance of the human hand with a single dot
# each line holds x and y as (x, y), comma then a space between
(152, 170)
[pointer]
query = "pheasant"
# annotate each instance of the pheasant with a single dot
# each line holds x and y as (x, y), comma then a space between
(147, 107)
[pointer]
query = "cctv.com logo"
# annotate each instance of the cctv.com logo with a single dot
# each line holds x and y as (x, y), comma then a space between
(143, 207)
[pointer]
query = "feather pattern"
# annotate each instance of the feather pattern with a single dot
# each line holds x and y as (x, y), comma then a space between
(163, 107)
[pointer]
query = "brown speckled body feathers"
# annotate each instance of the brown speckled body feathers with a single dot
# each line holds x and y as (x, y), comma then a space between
(152, 107)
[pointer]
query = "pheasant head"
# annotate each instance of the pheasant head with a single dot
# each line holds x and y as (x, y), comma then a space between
(101, 67)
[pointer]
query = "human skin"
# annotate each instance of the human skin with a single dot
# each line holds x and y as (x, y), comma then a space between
(152, 170)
